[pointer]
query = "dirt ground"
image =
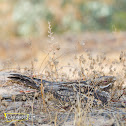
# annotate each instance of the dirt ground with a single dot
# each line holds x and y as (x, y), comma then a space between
(34, 56)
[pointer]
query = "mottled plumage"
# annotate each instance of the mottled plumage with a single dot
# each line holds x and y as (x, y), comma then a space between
(67, 92)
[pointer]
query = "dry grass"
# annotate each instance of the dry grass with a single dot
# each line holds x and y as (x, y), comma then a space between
(61, 64)
(52, 111)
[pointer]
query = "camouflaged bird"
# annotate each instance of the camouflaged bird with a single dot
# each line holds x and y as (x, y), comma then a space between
(69, 92)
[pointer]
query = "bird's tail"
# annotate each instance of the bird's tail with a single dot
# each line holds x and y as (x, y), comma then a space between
(30, 82)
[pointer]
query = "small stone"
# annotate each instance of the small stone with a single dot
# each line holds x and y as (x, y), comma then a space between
(66, 104)
(73, 102)
(82, 90)
(36, 94)
(39, 120)
(13, 97)
(23, 98)
(46, 99)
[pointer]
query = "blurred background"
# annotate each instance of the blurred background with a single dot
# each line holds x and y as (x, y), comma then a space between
(30, 17)
(77, 26)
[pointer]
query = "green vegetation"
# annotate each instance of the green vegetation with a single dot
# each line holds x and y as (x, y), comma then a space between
(29, 17)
